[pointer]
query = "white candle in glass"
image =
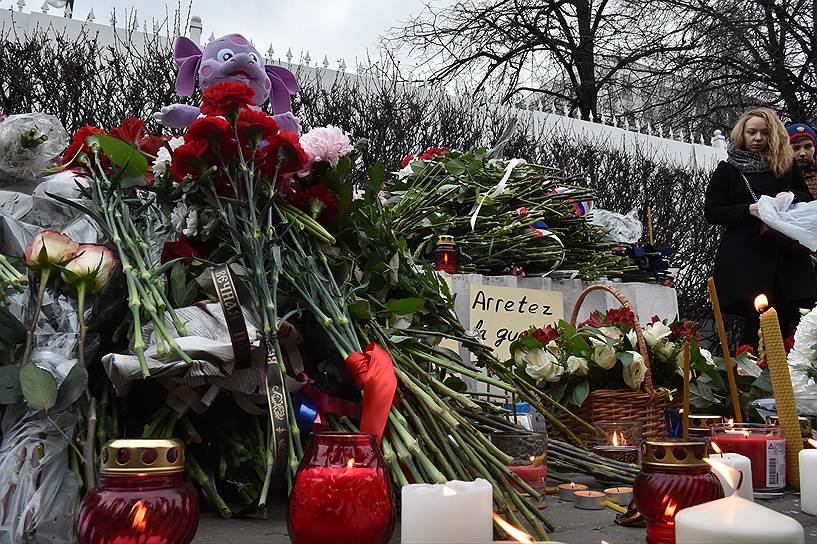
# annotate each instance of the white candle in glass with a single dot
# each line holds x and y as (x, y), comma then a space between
(453, 512)
(734, 519)
(740, 463)
(808, 480)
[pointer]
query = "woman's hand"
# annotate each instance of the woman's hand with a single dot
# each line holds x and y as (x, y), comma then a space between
(753, 210)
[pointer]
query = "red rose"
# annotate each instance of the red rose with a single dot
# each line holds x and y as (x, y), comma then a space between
(318, 201)
(744, 348)
(227, 98)
(254, 128)
(432, 152)
(188, 159)
(406, 161)
(78, 143)
(545, 335)
(788, 343)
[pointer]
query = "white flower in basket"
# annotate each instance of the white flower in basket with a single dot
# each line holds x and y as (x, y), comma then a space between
(603, 355)
(635, 371)
(577, 365)
(656, 332)
(613, 333)
(543, 366)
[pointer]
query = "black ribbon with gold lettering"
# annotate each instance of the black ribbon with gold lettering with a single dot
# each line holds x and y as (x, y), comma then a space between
(279, 417)
(230, 305)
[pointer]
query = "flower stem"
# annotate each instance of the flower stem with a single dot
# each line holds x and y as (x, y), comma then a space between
(83, 328)
(45, 274)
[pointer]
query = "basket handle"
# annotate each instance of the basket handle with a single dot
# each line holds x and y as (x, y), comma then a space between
(639, 332)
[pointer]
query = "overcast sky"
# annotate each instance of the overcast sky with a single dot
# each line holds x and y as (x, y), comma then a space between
(336, 28)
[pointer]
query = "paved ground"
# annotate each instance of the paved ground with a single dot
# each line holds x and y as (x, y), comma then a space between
(574, 526)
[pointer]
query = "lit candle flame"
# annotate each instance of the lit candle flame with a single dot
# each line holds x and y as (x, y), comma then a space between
(761, 303)
(731, 422)
(572, 485)
(681, 411)
(716, 448)
(350, 463)
(618, 440)
(517, 534)
(669, 511)
(813, 443)
(731, 475)
(745, 434)
(139, 512)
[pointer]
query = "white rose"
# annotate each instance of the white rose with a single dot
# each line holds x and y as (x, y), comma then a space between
(519, 356)
(707, 355)
(656, 332)
(634, 372)
(577, 365)
(553, 347)
(633, 339)
(667, 351)
(613, 333)
(603, 355)
(543, 366)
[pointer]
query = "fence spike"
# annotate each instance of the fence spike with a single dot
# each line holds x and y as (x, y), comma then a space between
(553, 107)
(69, 13)
(211, 37)
(44, 7)
(342, 65)
(112, 20)
(626, 123)
(660, 131)
(289, 55)
(614, 119)
(649, 129)
(637, 125)
(325, 62)
(90, 18)
(20, 5)
(307, 58)
(270, 52)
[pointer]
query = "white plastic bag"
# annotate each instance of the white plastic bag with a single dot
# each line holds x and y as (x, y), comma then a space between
(797, 221)
(620, 228)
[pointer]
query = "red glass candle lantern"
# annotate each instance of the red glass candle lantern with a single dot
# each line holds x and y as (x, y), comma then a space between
(141, 497)
(673, 476)
(445, 254)
(342, 493)
(763, 444)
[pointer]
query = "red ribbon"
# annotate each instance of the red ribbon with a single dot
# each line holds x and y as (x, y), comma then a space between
(372, 371)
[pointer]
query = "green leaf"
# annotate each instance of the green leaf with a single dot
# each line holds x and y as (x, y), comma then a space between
(12, 332)
(133, 181)
(183, 293)
(10, 391)
(748, 366)
(377, 175)
(456, 383)
(123, 155)
(455, 167)
(360, 310)
(71, 387)
(39, 387)
(626, 358)
(579, 393)
(404, 306)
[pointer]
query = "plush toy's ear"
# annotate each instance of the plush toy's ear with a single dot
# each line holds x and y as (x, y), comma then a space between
(284, 85)
(187, 55)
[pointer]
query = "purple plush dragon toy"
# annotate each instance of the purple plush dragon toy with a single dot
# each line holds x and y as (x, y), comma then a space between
(229, 58)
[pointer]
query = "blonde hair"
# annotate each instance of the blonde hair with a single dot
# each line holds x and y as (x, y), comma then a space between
(778, 154)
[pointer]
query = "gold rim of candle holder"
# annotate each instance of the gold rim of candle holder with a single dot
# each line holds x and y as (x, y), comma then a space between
(129, 456)
(674, 453)
(805, 425)
(701, 422)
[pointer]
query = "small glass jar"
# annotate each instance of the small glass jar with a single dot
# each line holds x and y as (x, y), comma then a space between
(763, 444)
(673, 476)
(805, 428)
(529, 452)
(141, 497)
(618, 440)
(699, 426)
(342, 493)
(445, 254)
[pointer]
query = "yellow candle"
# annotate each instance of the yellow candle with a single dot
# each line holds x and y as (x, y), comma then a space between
(781, 385)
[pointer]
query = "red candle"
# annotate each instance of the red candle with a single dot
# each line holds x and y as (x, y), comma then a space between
(764, 445)
(533, 475)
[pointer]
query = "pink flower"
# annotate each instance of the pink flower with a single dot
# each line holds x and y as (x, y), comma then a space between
(50, 248)
(522, 212)
(327, 144)
(518, 272)
(92, 266)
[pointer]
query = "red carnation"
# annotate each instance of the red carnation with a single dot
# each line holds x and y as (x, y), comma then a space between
(406, 161)
(432, 152)
(188, 160)
(545, 335)
(78, 143)
(286, 148)
(318, 201)
(788, 343)
(227, 98)
(744, 348)
(130, 131)
(216, 132)
(254, 128)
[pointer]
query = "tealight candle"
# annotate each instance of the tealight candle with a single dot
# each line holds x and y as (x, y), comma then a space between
(619, 495)
(566, 491)
(589, 500)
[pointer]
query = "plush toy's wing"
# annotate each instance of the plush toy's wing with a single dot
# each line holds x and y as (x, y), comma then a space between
(187, 55)
(284, 85)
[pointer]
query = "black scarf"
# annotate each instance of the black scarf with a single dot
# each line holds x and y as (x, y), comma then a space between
(746, 161)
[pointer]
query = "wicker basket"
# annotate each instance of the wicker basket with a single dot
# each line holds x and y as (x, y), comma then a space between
(646, 406)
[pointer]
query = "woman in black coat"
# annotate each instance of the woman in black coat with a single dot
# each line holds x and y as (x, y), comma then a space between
(746, 264)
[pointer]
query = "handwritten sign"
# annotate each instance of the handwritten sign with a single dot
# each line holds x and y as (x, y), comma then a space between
(500, 314)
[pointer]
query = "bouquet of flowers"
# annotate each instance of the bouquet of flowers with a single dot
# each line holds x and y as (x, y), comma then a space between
(603, 353)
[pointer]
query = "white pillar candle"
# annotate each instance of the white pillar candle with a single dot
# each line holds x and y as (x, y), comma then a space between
(808, 481)
(453, 512)
(735, 520)
(738, 462)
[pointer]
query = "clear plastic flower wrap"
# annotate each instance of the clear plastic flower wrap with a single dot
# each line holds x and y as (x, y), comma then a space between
(624, 229)
(29, 142)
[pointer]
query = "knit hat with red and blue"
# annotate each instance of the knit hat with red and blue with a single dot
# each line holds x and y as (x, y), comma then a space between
(801, 130)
